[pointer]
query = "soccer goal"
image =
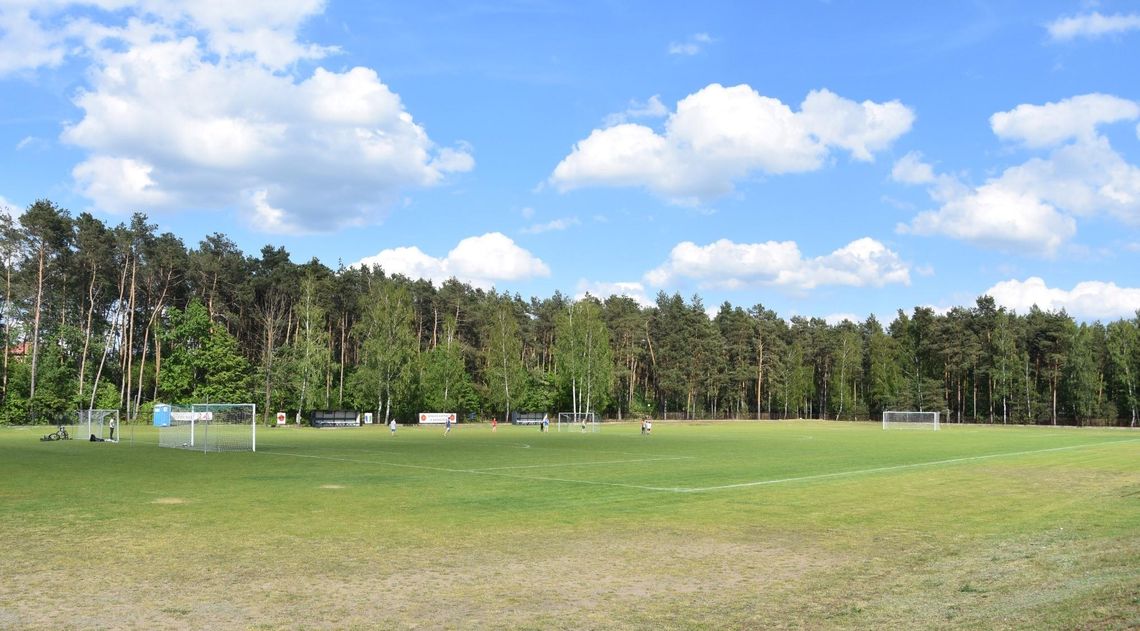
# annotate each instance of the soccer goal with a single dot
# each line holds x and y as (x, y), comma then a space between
(102, 424)
(577, 422)
(910, 420)
(212, 427)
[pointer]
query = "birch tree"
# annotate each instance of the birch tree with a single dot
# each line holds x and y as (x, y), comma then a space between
(389, 344)
(583, 356)
(504, 370)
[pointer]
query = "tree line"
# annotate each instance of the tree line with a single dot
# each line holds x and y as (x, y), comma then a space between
(98, 316)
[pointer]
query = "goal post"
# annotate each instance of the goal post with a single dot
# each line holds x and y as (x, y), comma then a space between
(212, 427)
(103, 424)
(894, 419)
(577, 421)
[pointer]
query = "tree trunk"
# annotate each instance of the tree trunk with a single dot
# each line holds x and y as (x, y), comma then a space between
(7, 338)
(340, 383)
(87, 332)
(760, 376)
(129, 347)
(146, 338)
(36, 319)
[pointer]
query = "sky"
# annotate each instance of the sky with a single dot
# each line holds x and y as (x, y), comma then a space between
(832, 159)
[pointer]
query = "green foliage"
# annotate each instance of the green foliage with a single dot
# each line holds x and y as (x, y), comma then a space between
(386, 376)
(583, 356)
(204, 364)
(503, 369)
(137, 315)
(446, 385)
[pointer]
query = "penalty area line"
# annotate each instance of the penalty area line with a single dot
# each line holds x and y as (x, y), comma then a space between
(824, 476)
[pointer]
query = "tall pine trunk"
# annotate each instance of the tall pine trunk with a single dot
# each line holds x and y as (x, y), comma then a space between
(36, 319)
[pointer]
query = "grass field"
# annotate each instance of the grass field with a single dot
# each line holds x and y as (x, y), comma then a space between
(727, 525)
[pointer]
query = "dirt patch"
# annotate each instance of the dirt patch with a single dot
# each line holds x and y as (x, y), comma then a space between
(169, 500)
(332, 486)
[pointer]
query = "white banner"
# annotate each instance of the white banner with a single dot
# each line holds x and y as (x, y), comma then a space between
(437, 417)
(192, 416)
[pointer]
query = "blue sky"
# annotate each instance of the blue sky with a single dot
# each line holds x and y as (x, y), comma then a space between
(821, 158)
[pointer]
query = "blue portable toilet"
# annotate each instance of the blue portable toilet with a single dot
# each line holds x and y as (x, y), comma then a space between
(162, 415)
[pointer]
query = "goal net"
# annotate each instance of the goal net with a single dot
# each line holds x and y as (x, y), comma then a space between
(577, 421)
(102, 424)
(212, 427)
(910, 420)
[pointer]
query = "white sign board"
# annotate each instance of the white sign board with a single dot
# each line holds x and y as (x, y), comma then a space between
(437, 417)
(280, 418)
(192, 416)
(368, 418)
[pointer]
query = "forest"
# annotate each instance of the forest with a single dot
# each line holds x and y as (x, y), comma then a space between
(121, 317)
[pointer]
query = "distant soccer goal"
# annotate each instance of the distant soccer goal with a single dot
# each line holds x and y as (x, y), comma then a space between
(910, 420)
(212, 427)
(577, 422)
(102, 424)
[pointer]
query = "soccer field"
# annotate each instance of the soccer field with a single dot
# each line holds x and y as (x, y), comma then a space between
(740, 525)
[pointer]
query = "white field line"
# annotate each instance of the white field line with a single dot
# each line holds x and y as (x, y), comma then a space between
(582, 464)
(805, 478)
(823, 476)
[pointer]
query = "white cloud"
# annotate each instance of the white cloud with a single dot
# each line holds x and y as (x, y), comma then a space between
(32, 143)
(994, 216)
(196, 105)
(1054, 123)
(551, 226)
(25, 44)
(728, 265)
(910, 169)
(480, 261)
(719, 135)
(1092, 25)
(861, 128)
(693, 45)
(1083, 178)
(1032, 207)
(653, 108)
(603, 290)
(34, 35)
(1088, 300)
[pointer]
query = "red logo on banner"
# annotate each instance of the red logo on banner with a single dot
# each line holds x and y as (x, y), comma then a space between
(423, 417)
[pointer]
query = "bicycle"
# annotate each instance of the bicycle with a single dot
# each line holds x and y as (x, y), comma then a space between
(59, 434)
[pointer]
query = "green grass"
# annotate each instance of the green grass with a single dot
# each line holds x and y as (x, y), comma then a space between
(727, 525)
